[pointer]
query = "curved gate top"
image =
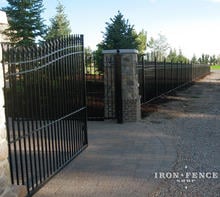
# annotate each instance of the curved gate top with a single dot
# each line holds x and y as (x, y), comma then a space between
(45, 105)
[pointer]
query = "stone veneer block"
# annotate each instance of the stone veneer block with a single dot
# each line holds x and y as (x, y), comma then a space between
(6, 188)
(130, 90)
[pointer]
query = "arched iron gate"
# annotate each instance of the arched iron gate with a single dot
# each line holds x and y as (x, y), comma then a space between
(45, 106)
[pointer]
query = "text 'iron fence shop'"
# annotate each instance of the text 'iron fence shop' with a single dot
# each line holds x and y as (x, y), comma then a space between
(45, 108)
(156, 78)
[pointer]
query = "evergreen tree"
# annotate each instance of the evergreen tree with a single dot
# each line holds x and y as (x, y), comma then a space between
(181, 57)
(172, 56)
(207, 58)
(202, 59)
(213, 60)
(194, 59)
(119, 34)
(25, 21)
(60, 26)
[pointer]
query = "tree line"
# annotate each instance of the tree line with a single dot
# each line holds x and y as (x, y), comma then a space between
(26, 26)
(206, 59)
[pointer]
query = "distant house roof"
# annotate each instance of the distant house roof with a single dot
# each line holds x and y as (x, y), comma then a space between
(3, 18)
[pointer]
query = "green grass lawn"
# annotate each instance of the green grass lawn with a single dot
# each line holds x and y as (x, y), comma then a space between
(215, 67)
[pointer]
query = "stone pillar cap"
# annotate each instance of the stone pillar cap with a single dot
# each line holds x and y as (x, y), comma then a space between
(120, 51)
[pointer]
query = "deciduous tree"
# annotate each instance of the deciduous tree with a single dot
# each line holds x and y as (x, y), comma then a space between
(159, 46)
(141, 41)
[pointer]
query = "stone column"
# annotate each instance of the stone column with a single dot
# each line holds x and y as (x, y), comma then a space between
(129, 81)
(4, 165)
(6, 189)
(130, 86)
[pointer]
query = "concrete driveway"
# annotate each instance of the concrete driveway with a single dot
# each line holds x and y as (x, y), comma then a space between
(121, 160)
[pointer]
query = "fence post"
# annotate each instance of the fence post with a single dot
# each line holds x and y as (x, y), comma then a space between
(126, 59)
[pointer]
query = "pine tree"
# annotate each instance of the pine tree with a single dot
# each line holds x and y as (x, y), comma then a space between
(181, 57)
(25, 21)
(194, 59)
(60, 26)
(119, 34)
(172, 56)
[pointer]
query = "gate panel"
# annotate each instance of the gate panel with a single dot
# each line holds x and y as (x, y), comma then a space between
(45, 108)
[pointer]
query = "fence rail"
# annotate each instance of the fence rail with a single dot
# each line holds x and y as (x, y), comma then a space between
(156, 78)
(45, 108)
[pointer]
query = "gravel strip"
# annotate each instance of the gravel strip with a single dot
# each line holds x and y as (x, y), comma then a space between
(193, 118)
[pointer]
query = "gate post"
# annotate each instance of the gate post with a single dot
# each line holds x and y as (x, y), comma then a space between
(127, 60)
(6, 188)
(118, 89)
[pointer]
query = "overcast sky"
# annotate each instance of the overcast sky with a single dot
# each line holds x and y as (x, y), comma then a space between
(190, 25)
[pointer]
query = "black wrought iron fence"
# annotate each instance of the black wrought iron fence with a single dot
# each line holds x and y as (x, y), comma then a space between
(45, 108)
(156, 78)
(101, 87)
(94, 88)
